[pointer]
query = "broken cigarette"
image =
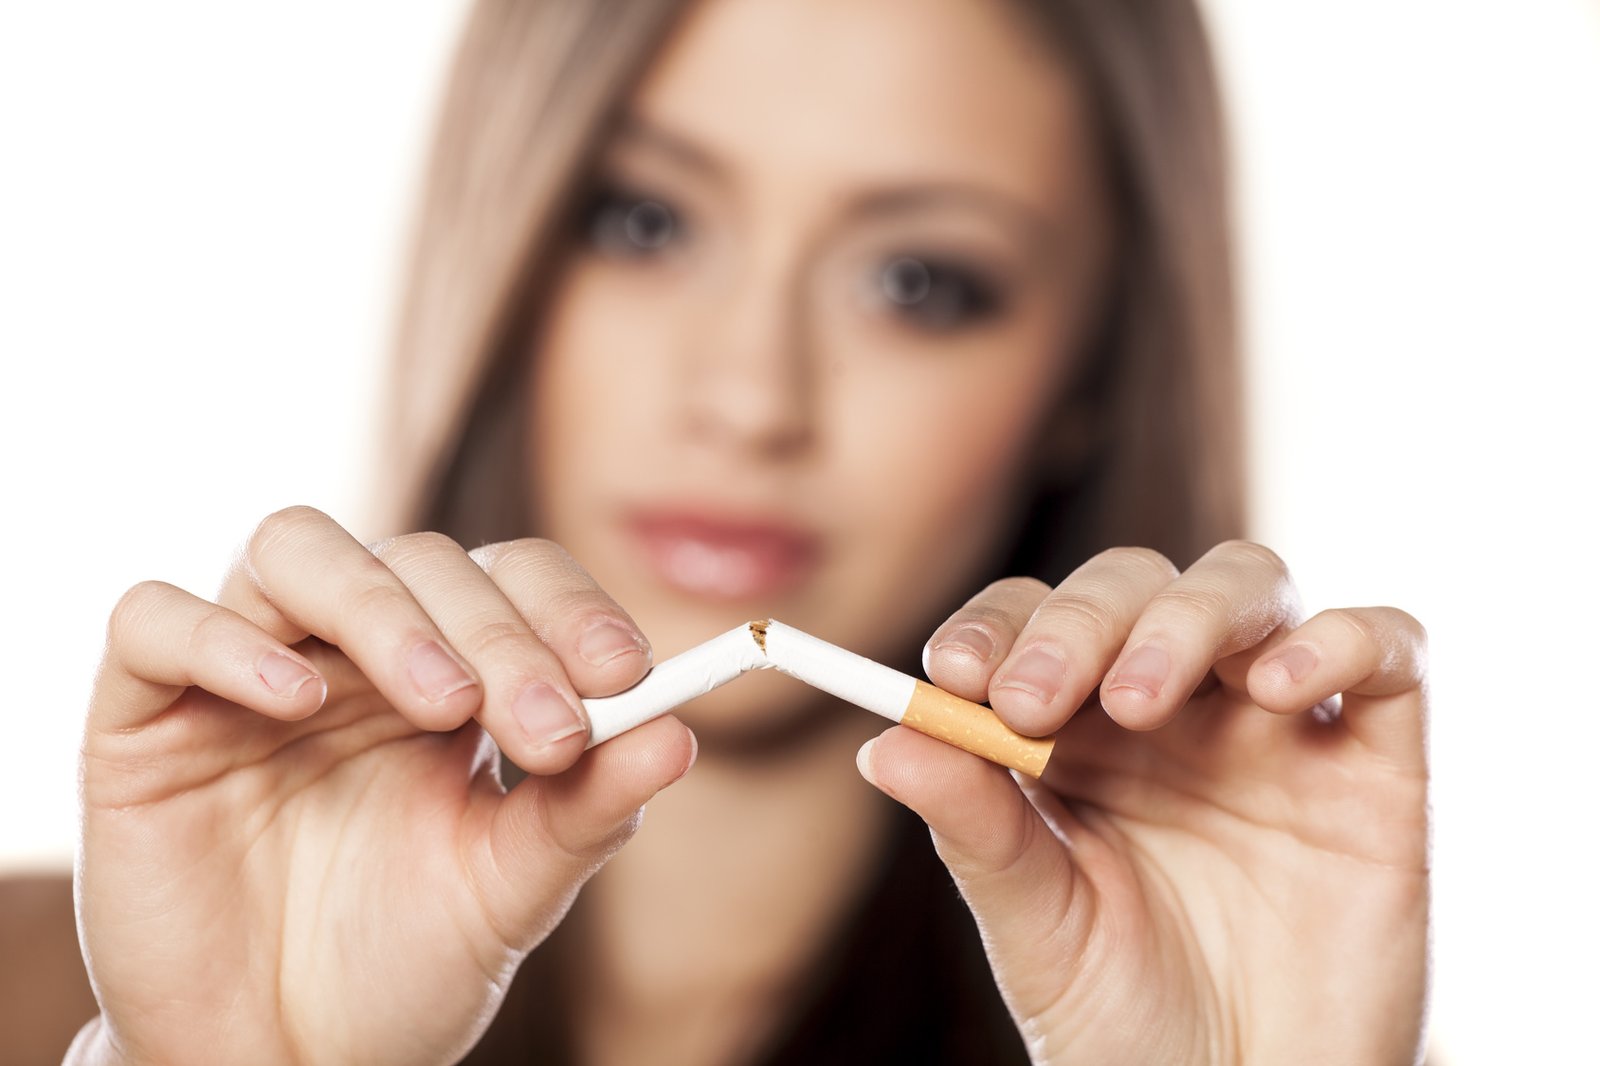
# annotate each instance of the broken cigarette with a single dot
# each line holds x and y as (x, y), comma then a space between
(771, 645)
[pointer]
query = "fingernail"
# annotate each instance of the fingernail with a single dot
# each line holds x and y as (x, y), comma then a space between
(1144, 671)
(282, 674)
(694, 753)
(1297, 660)
(601, 643)
(864, 765)
(545, 715)
(1038, 672)
(968, 640)
(1328, 711)
(435, 672)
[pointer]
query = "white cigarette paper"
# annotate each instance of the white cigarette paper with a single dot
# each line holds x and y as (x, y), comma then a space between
(771, 645)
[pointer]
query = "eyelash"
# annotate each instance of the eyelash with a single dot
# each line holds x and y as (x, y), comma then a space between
(605, 221)
(953, 295)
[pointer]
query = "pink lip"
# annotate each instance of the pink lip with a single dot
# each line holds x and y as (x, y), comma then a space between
(714, 557)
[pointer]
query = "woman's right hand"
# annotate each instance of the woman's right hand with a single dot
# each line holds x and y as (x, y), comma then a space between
(296, 847)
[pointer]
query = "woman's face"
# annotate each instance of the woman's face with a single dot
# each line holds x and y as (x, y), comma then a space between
(839, 262)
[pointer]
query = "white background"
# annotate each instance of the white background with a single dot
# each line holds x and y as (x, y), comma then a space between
(201, 207)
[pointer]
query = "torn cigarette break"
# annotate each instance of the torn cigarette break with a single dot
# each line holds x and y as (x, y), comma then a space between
(851, 677)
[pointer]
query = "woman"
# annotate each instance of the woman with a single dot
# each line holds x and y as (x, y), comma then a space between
(868, 318)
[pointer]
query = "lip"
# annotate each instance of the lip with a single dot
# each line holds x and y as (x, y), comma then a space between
(717, 555)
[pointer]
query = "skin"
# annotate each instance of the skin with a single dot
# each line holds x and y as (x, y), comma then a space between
(765, 375)
(732, 407)
(272, 794)
(1223, 864)
(295, 848)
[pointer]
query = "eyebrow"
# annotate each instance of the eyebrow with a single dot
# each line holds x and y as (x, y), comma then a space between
(872, 201)
(646, 134)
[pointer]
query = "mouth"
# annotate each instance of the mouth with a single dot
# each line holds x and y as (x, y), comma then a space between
(717, 557)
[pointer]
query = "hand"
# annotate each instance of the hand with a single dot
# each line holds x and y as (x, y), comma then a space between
(296, 847)
(1220, 864)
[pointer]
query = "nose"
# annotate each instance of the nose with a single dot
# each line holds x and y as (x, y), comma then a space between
(747, 381)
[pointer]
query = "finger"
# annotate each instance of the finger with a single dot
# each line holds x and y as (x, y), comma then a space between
(1233, 598)
(962, 654)
(301, 573)
(1376, 657)
(530, 706)
(597, 643)
(549, 834)
(1070, 640)
(161, 640)
(1015, 874)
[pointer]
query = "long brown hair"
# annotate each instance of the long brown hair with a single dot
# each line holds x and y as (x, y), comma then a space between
(535, 85)
(534, 88)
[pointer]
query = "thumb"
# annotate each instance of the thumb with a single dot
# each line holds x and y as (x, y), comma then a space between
(550, 834)
(1012, 869)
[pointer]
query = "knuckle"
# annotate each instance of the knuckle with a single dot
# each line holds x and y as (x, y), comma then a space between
(1415, 629)
(1395, 634)
(383, 548)
(1134, 557)
(532, 559)
(1416, 636)
(1253, 555)
(1194, 600)
(577, 611)
(1356, 623)
(540, 573)
(209, 632)
(586, 851)
(1406, 624)
(1079, 613)
(993, 622)
(378, 599)
(1011, 589)
(501, 638)
(609, 844)
(538, 551)
(1001, 609)
(280, 526)
(487, 556)
(410, 547)
(134, 607)
(1009, 845)
(541, 831)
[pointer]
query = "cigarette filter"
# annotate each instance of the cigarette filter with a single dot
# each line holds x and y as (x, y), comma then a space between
(771, 645)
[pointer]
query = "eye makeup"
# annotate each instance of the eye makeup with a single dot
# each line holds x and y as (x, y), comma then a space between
(938, 293)
(627, 224)
(912, 282)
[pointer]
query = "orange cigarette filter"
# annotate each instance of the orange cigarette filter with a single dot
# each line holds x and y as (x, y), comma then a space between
(901, 698)
(975, 728)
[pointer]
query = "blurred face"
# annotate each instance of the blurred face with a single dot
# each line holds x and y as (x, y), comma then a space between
(835, 268)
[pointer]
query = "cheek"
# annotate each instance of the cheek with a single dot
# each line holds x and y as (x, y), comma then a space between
(950, 429)
(936, 460)
(585, 401)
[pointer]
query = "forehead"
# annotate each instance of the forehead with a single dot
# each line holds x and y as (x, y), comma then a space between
(824, 92)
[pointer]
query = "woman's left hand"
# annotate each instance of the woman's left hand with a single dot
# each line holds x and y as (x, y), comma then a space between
(1221, 863)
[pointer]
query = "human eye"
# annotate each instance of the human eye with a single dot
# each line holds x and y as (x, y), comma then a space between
(937, 294)
(627, 224)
